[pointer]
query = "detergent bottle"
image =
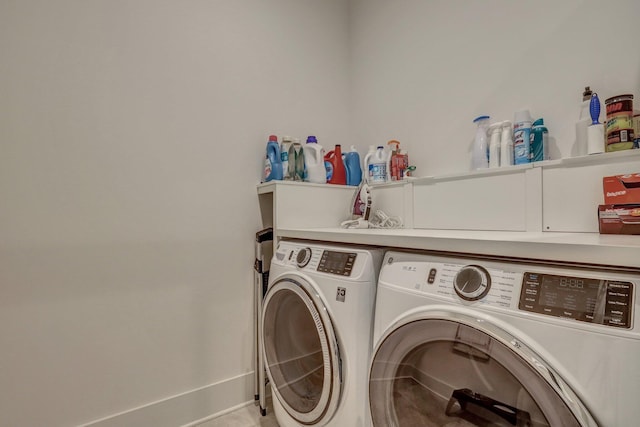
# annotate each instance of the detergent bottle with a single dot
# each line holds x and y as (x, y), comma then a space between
(273, 160)
(314, 161)
(336, 173)
(376, 165)
(352, 167)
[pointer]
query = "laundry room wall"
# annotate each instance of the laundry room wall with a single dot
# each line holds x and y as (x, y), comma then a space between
(131, 140)
(423, 70)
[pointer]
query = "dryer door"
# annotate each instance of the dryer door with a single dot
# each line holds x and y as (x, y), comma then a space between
(301, 351)
(448, 369)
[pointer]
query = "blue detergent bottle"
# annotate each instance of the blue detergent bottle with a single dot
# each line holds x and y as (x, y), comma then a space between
(273, 160)
(352, 167)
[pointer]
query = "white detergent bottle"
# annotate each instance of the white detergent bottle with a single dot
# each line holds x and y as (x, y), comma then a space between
(314, 161)
(365, 163)
(376, 166)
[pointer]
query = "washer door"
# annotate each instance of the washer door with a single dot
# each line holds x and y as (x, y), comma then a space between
(443, 368)
(301, 351)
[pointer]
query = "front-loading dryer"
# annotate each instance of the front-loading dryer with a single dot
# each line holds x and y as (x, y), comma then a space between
(316, 328)
(461, 341)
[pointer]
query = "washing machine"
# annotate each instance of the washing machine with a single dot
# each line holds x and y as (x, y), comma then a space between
(476, 341)
(317, 324)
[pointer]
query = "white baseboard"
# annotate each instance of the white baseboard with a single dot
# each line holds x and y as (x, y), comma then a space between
(186, 408)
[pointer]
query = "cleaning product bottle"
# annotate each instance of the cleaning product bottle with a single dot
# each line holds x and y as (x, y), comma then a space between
(494, 144)
(521, 137)
(396, 162)
(352, 167)
(506, 145)
(479, 155)
(595, 131)
(365, 163)
(376, 166)
(284, 155)
(584, 120)
(539, 141)
(296, 170)
(314, 161)
(334, 165)
(273, 160)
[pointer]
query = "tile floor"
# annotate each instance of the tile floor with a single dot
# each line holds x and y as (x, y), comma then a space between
(247, 416)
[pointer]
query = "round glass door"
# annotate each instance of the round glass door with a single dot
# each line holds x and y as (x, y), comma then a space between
(301, 352)
(456, 371)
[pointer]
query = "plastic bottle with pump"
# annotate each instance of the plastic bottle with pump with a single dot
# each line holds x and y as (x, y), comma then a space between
(506, 145)
(314, 160)
(398, 162)
(582, 125)
(479, 155)
(376, 165)
(494, 144)
(336, 173)
(522, 137)
(352, 167)
(273, 160)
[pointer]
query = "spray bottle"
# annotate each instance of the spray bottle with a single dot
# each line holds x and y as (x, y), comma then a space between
(480, 153)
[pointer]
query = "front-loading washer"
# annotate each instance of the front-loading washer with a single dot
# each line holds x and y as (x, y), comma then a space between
(462, 341)
(316, 329)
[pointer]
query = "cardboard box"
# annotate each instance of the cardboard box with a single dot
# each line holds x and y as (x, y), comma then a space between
(619, 219)
(621, 189)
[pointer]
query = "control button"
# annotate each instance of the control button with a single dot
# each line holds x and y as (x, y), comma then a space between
(432, 276)
(303, 258)
(472, 282)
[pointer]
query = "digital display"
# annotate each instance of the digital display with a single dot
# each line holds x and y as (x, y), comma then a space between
(570, 293)
(605, 302)
(334, 262)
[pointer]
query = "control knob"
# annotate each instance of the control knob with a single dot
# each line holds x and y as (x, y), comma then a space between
(472, 282)
(303, 257)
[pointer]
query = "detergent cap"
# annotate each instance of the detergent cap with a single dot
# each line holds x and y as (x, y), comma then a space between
(273, 138)
(311, 139)
(395, 145)
(480, 118)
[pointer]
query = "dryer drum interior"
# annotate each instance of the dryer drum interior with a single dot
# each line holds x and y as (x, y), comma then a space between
(300, 352)
(435, 372)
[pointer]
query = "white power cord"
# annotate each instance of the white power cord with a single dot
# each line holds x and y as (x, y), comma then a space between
(382, 220)
(379, 220)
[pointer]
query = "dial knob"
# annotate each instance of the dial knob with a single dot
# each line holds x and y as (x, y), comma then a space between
(472, 282)
(303, 257)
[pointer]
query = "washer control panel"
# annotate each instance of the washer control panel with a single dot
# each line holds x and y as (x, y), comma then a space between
(599, 297)
(604, 302)
(322, 259)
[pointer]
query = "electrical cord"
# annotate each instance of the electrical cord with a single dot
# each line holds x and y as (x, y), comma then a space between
(379, 220)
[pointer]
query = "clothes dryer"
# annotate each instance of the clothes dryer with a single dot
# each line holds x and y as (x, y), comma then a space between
(316, 328)
(465, 341)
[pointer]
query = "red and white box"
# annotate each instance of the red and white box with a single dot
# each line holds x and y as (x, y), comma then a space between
(619, 219)
(621, 189)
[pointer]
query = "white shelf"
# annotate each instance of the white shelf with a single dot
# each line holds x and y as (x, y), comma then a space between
(581, 248)
(540, 211)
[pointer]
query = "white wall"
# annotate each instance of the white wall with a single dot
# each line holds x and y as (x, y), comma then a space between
(131, 137)
(423, 70)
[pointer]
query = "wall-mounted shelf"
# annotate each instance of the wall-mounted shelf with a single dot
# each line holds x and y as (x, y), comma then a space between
(545, 210)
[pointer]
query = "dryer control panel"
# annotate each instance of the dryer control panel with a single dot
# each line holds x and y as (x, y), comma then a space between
(604, 302)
